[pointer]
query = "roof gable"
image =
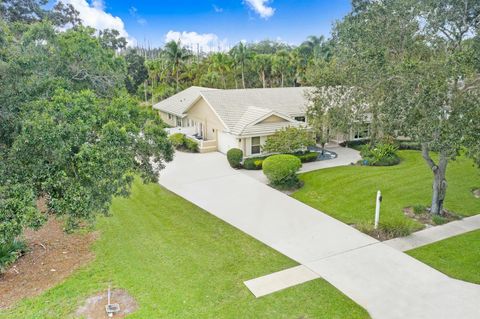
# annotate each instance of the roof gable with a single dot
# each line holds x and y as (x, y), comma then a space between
(179, 103)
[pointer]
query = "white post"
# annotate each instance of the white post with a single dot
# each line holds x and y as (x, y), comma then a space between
(377, 208)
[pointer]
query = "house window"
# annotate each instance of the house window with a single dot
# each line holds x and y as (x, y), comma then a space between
(169, 116)
(362, 132)
(256, 145)
(300, 118)
(179, 121)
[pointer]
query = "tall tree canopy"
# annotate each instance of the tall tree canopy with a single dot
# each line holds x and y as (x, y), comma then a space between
(420, 81)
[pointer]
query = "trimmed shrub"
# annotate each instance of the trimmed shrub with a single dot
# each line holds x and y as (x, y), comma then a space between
(234, 157)
(183, 143)
(190, 145)
(177, 139)
(253, 163)
(307, 157)
(355, 144)
(281, 170)
(408, 145)
(397, 228)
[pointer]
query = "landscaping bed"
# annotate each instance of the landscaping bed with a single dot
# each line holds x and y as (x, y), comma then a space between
(51, 256)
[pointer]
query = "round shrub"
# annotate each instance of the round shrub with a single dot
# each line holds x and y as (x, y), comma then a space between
(234, 157)
(177, 139)
(281, 170)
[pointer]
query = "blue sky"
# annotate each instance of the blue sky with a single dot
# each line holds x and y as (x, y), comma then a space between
(214, 23)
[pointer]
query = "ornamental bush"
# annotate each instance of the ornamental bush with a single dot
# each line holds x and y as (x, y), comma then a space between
(381, 154)
(177, 140)
(307, 157)
(281, 170)
(234, 157)
(183, 143)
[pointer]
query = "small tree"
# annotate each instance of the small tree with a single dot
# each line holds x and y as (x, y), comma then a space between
(289, 140)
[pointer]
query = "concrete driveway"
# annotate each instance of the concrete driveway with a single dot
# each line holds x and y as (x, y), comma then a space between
(386, 282)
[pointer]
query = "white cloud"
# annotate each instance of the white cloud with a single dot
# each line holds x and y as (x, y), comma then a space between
(217, 9)
(206, 42)
(261, 7)
(134, 13)
(93, 15)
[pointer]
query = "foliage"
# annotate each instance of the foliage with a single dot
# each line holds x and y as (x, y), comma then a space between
(402, 186)
(206, 256)
(183, 143)
(307, 156)
(17, 211)
(235, 157)
(79, 151)
(288, 140)
(397, 228)
(419, 209)
(254, 163)
(457, 257)
(421, 81)
(177, 140)
(137, 73)
(10, 252)
(382, 154)
(281, 170)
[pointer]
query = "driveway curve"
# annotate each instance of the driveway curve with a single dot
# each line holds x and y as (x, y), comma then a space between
(386, 282)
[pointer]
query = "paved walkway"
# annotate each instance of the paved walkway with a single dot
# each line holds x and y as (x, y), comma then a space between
(346, 156)
(433, 234)
(386, 282)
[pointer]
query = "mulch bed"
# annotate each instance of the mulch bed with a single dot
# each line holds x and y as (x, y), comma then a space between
(426, 218)
(52, 256)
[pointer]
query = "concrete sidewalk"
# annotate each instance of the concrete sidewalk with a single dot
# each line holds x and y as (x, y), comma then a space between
(434, 234)
(386, 282)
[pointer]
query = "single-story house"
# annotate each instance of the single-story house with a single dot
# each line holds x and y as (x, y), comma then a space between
(236, 118)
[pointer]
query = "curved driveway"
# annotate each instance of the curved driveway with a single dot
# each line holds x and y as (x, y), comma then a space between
(386, 282)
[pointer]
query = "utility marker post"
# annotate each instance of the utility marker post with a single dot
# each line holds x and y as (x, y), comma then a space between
(377, 208)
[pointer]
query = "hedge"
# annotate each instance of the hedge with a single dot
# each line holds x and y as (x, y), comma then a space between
(181, 142)
(281, 170)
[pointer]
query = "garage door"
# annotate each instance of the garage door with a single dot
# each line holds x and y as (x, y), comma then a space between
(226, 141)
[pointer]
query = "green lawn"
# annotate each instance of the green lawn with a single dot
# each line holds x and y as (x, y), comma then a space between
(458, 257)
(348, 193)
(180, 262)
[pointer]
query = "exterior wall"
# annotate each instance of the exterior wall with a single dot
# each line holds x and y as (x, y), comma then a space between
(273, 119)
(205, 119)
(170, 121)
(227, 141)
(247, 143)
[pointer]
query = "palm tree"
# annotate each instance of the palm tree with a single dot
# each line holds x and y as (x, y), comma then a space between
(314, 45)
(176, 55)
(263, 63)
(221, 63)
(241, 55)
(280, 65)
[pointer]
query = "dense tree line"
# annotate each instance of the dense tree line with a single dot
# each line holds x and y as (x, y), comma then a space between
(70, 134)
(247, 65)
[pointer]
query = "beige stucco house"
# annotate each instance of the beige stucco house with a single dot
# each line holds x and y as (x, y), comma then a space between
(243, 118)
(240, 118)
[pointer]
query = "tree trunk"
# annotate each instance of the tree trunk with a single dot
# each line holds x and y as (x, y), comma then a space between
(439, 180)
(282, 80)
(176, 77)
(243, 76)
(263, 79)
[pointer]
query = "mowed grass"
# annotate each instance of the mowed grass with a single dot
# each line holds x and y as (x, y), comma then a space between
(457, 257)
(178, 261)
(348, 193)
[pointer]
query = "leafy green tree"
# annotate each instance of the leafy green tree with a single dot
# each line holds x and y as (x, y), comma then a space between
(241, 56)
(289, 140)
(111, 39)
(78, 151)
(31, 11)
(137, 72)
(222, 64)
(419, 81)
(281, 65)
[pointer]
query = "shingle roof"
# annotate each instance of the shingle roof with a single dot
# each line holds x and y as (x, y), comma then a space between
(239, 109)
(177, 104)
